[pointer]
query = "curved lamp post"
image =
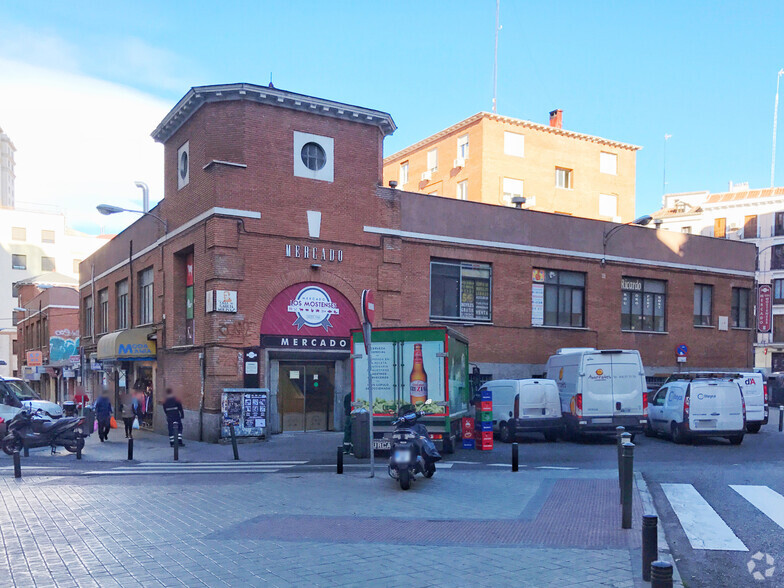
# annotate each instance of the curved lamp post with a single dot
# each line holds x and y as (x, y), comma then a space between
(107, 209)
(641, 221)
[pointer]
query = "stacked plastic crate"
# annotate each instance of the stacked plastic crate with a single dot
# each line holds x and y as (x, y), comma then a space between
(484, 421)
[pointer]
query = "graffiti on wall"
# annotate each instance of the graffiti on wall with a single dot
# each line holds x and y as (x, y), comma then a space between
(61, 349)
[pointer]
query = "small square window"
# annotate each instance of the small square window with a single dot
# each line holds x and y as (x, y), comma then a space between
(313, 156)
(462, 190)
(18, 262)
(511, 188)
(608, 163)
(403, 177)
(47, 264)
(563, 178)
(608, 205)
(47, 236)
(514, 144)
(18, 234)
(462, 147)
(432, 160)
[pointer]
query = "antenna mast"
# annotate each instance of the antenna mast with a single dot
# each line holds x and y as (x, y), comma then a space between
(775, 124)
(495, 58)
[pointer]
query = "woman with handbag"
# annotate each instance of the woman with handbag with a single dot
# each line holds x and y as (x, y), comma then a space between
(129, 411)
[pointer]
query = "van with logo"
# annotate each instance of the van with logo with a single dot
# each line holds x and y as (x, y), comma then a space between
(600, 390)
(525, 406)
(753, 386)
(699, 407)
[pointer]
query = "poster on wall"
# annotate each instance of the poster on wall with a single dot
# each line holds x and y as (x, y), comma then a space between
(537, 304)
(246, 409)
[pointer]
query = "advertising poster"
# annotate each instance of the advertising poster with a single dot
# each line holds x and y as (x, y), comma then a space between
(382, 369)
(433, 368)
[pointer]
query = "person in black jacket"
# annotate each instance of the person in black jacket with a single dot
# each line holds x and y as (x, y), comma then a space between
(174, 415)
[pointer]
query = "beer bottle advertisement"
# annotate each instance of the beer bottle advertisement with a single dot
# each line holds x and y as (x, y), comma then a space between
(424, 375)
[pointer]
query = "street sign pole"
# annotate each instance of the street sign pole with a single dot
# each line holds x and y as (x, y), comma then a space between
(366, 332)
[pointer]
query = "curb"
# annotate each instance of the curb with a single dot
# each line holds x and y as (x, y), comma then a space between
(648, 506)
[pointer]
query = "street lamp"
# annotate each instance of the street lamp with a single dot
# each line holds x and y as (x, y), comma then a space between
(107, 209)
(641, 221)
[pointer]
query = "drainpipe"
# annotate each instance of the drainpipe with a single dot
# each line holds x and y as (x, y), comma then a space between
(201, 398)
(145, 196)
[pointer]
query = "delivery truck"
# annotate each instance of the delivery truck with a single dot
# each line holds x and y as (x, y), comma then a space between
(411, 365)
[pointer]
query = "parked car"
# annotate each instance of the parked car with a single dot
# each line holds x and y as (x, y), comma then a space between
(600, 389)
(753, 386)
(525, 406)
(699, 407)
(16, 394)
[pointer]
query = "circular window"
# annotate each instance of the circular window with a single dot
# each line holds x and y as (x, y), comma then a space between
(313, 156)
(184, 165)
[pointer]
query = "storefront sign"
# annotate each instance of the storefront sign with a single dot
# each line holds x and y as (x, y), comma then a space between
(35, 358)
(537, 303)
(251, 358)
(221, 301)
(764, 308)
(69, 374)
(75, 360)
(315, 343)
(314, 253)
(634, 284)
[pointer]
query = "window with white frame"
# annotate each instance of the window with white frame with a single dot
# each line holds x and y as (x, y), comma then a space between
(462, 190)
(462, 147)
(432, 160)
(563, 178)
(403, 176)
(88, 316)
(122, 304)
(514, 144)
(145, 296)
(608, 205)
(510, 189)
(103, 310)
(608, 163)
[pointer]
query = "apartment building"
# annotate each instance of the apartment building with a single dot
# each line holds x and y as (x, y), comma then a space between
(501, 160)
(7, 175)
(756, 216)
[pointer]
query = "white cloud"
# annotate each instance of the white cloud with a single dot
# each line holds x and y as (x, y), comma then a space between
(80, 141)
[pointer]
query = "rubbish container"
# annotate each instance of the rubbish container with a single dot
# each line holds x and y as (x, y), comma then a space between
(89, 421)
(360, 433)
(69, 407)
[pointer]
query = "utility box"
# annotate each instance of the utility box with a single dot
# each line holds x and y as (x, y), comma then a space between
(360, 433)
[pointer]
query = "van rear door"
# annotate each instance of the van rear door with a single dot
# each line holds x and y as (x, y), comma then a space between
(627, 384)
(715, 405)
(597, 386)
(754, 393)
(533, 399)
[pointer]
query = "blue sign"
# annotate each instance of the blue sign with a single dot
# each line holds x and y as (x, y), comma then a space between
(682, 350)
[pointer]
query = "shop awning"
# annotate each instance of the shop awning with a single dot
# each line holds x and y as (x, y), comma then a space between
(128, 345)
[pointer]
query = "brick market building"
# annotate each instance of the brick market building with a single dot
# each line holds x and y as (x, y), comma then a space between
(274, 220)
(492, 159)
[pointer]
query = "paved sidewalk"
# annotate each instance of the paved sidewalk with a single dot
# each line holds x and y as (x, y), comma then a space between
(472, 528)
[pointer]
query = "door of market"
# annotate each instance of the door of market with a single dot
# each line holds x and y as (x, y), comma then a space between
(306, 395)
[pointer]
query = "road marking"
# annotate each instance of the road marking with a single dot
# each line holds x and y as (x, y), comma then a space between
(230, 464)
(466, 462)
(555, 468)
(180, 470)
(703, 526)
(770, 502)
(500, 465)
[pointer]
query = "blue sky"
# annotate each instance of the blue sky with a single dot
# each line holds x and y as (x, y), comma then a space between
(704, 72)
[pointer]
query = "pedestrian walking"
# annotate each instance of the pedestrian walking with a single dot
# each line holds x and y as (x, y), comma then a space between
(129, 411)
(103, 413)
(174, 415)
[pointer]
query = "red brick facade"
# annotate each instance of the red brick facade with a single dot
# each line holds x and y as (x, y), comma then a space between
(241, 166)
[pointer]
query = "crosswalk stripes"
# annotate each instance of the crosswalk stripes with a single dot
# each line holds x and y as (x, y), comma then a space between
(768, 501)
(235, 467)
(703, 526)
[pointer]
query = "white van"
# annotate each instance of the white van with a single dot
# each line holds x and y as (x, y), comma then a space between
(16, 395)
(753, 386)
(600, 389)
(710, 407)
(525, 406)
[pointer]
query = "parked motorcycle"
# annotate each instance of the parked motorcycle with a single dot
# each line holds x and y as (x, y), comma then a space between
(412, 449)
(34, 430)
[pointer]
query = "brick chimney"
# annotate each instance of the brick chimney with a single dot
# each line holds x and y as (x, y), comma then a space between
(556, 118)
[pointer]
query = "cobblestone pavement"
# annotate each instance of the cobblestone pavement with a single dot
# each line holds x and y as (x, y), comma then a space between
(483, 528)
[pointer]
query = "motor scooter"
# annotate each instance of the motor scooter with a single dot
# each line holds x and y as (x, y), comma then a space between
(34, 430)
(412, 449)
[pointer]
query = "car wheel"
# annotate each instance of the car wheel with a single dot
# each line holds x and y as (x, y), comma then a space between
(505, 433)
(677, 434)
(755, 428)
(735, 439)
(551, 436)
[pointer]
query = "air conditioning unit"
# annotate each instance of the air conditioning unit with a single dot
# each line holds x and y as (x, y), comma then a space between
(459, 162)
(427, 176)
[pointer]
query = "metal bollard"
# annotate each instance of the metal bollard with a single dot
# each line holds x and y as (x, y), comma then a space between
(340, 460)
(130, 449)
(781, 419)
(515, 458)
(618, 432)
(650, 544)
(628, 486)
(17, 465)
(176, 446)
(79, 446)
(625, 438)
(661, 574)
(234, 442)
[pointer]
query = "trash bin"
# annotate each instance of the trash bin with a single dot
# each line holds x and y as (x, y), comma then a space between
(360, 433)
(89, 421)
(70, 408)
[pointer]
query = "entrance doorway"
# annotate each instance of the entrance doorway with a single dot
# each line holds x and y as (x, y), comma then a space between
(306, 394)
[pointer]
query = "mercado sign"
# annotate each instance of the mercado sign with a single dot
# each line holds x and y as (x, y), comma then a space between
(314, 253)
(309, 316)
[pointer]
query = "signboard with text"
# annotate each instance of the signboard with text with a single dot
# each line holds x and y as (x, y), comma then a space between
(764, 308)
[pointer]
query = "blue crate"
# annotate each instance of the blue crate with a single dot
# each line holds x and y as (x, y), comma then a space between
(483, 426)
(487, 395)
(469, 443)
